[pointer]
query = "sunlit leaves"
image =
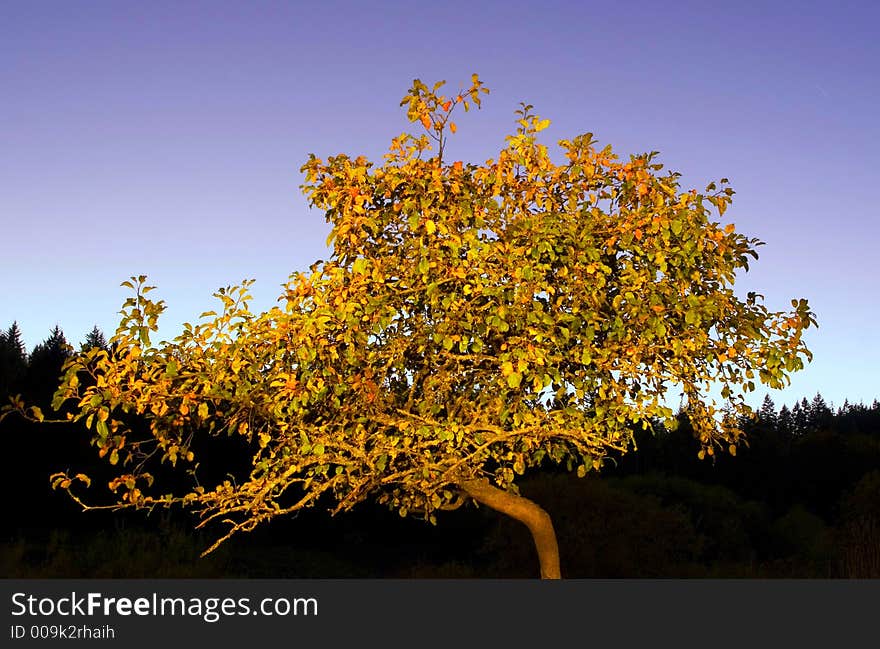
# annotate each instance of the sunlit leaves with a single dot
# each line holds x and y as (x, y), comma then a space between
(472, 321)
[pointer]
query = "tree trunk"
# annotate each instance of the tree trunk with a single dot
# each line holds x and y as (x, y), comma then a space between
(526, 512)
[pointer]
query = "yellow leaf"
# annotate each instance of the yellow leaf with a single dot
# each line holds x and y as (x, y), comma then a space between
(203, 410)
(430, 226)
(453, 127)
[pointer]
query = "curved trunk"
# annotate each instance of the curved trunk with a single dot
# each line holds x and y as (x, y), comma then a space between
(526, 512)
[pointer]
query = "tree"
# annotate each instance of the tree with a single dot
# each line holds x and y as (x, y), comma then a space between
(13, 361)
(785, 422)
(767, 413)
(45, 366)
(95, 338)
(472, 322)
(800, 414)
(820, 415)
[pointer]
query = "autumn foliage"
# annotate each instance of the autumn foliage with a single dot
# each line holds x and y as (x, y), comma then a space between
(473, 321)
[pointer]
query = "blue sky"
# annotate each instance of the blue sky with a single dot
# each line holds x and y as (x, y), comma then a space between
(165, 138)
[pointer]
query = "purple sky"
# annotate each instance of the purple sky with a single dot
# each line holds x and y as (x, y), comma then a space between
(165, 138)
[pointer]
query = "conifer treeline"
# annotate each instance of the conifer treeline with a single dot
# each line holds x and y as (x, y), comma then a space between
(36, 374)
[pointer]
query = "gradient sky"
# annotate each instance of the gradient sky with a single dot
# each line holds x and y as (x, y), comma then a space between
(165, 138)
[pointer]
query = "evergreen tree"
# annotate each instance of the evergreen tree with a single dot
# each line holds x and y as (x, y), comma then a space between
(95, 338)
(12, 338)
(767, 413)
(44, 367)
(820, 414)
(799, 414)
(13, 361)
(55, 346)
(785, 421)
(805, 406)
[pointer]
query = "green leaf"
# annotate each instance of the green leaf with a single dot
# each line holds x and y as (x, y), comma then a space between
(102, 430)
(171, 369)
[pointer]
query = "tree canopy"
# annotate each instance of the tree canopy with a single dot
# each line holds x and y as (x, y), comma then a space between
(472, 321)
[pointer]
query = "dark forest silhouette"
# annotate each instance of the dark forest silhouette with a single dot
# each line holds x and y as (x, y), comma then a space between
(801, 500)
